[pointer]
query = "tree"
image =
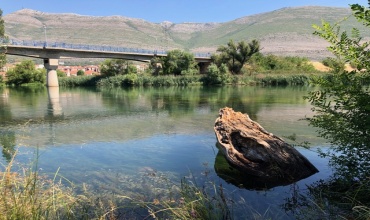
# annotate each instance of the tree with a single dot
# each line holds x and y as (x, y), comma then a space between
(25, 72)
(60, 73)
(114, 67)
(80, 73)
(2, 37)
(342, 103)
(217, 75)
(235, 55)
(176, 62)
(179, 62)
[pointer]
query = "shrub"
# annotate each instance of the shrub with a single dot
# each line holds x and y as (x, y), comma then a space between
(24, 73)
(114, 67)
(130, 79)
(176, 63)
(335, 64)
(61, 73)
(217, 75)
(273, 63)
(79, 81)
(80, 73)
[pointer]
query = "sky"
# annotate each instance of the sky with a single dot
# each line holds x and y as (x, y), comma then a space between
(175, 11)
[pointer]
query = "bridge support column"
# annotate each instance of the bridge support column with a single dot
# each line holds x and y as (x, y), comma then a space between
(51, 66)
(203, 67)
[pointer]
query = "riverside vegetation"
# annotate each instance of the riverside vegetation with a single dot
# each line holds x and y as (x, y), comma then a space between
(341, 114)
(260, 70)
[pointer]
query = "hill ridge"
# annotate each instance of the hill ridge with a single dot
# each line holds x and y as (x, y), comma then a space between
(286, 31)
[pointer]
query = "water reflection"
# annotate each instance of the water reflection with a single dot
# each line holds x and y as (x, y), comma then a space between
(8, 143)
(241, 180)
(5, 110)
(54, 106)
(106, 137)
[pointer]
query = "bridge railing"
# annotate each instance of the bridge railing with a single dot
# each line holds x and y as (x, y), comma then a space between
(103, 48)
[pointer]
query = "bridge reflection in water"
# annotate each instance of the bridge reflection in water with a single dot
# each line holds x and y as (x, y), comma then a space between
(54, 106)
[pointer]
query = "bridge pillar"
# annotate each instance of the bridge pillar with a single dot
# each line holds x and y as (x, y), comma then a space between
(51, 66)
(203, 67)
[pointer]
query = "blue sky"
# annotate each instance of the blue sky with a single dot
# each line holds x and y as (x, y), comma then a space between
(167, 10)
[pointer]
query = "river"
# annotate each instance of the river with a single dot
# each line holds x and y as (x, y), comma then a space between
(120, 140)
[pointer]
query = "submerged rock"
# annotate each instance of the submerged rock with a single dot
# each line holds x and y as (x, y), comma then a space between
(252, 150)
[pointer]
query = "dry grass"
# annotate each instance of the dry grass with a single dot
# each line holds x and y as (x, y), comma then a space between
(321, 67)
(24, 194)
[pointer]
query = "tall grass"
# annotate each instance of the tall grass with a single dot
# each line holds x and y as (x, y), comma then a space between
(193, 202)
(147, 80)
(78, 81)
(273, 79)
(159, 81)
(25, 194)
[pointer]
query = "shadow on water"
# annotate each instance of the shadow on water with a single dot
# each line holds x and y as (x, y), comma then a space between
(242, 180)
(107, 136)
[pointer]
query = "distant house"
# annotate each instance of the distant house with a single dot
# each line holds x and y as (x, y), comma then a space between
(72, 70)
(92, 70)
(141, 67)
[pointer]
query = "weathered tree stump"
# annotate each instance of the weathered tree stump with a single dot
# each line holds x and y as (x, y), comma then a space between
(249, 148)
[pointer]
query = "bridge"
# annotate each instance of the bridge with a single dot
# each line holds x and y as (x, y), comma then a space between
(52, 52)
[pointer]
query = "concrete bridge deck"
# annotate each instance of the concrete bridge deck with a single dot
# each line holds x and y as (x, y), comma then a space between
(56, 50)
(52, 52)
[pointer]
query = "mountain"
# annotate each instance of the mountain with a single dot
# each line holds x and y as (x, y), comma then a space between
(287, 31)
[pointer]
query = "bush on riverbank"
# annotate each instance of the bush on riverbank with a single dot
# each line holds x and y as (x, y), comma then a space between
(79, 81)
(278, 64)
(24, 73)
(187, 80)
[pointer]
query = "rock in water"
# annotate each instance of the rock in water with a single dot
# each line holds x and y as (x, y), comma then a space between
(251, 149)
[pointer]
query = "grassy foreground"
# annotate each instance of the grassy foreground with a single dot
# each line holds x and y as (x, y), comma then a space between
(25, 194)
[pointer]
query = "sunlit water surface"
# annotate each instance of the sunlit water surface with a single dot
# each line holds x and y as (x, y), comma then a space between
(120, 140)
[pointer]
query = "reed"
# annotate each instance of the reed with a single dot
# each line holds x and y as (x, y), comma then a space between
(79, 81)
(25, 194)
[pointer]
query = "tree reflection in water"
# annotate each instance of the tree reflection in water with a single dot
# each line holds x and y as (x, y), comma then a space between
(7, 142)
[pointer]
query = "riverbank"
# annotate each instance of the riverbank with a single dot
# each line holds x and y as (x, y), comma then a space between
(270, 79)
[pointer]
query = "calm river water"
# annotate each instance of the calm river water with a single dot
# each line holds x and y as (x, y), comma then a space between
(115, 139)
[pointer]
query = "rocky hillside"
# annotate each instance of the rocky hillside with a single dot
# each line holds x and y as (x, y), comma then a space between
(287, 31)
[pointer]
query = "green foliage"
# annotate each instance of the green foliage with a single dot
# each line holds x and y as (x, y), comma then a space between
(130, 79)
(342, 101)
(61, 73)
(114, 67)
(79, 81)
(335, 64)
(235, 55)
(8, 143)
(273, 63)
(156, 66)
(176, 63)
(284, 80)
(144, 80)
(2, 36)
(80, 73)
(217, 75)
(24, 73)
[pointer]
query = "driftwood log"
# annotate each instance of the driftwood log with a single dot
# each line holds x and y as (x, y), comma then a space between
(252, 150)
